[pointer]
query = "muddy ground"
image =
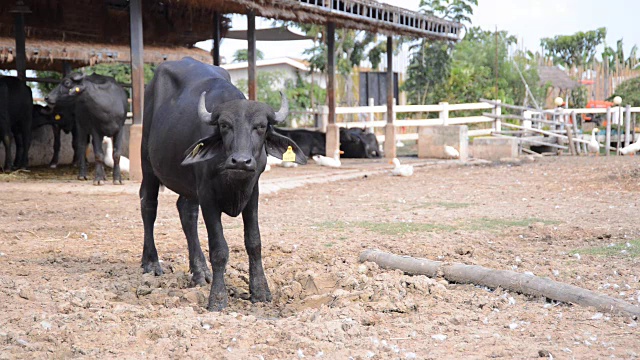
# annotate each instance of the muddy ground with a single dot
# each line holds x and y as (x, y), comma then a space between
(71, 283)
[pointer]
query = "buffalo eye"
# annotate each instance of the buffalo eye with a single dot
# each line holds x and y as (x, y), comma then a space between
(261, 127)
(224, 126)
(67, 83)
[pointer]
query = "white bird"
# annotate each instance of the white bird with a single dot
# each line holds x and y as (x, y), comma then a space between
(107, 148)
(399, 143)
(594, 145)
(401, 170)
(274, 161)
(451, 152)
(631, 148)
(327, 161)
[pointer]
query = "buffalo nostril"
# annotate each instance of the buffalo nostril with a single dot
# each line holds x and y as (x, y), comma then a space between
(233, 160)
(248, 161)
(46, 98)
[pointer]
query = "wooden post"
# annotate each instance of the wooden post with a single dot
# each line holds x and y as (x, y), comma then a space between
(251, 54)
(580, 147)
(390, 128)
(627, 125)
(497, 110)
(572, 147)
(372, 115)
(333, 131)
(607, 136)
(216, 38)
(137, 89)
(619, 128)
(21, 53)
(443, 115)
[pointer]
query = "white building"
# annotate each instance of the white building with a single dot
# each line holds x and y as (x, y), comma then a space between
(288, 68)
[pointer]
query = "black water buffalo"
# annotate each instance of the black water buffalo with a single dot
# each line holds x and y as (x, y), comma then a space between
(15, 118)
(358, 143)
(212, 160)
(100, 110)
(61, 119)
(310, 142)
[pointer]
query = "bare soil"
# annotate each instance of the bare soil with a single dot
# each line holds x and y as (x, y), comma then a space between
(71, 283)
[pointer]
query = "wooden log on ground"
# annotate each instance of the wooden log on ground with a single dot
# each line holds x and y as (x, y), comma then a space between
(509, 280)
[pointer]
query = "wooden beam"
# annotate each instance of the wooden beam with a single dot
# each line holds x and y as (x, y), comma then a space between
(21, 53)
(137, 89)
(251, 54)
(216, 38)
(137, 60)
(390, 129)
(331, 71)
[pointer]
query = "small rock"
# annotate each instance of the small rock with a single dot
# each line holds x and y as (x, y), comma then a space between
(300, 353)
(439, 337)
(513, 326)
(597, 316)
(2, 254)
(544, 354)
(410, 355)
(362, 268)
(26, 294)
(84, 236)
(22, 342)
(45, 325)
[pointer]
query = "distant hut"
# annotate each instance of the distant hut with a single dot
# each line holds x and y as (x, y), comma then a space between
(556, 83)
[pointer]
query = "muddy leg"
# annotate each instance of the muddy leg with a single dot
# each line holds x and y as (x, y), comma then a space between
(117, 151)
(100, 176)
(258, 285)
(56, 146)
(81, 148)
(149, 208)
(218, 255)
(188, 210)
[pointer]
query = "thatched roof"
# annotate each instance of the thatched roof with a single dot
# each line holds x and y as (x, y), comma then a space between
(49, 54)
(556, 77)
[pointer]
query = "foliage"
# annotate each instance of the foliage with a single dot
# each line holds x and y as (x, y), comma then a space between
(429, 67)
(121, 72)
(455, 10)
(629, 91)
(579, 97)
(243, 55)
(574, 50)
(297, 91)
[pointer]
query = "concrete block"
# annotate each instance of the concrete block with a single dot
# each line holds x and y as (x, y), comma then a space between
(494, 148)
(432, 140)
(390, 150)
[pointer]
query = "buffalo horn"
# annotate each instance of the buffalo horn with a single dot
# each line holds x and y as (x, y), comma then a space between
(202, 109)
(281, 115)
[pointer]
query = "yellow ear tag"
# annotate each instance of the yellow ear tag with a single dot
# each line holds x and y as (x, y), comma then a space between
(77, 89)
(289, 155)
(57, 117)
(196, 150)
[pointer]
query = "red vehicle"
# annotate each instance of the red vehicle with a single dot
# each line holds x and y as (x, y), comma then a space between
(596, 104)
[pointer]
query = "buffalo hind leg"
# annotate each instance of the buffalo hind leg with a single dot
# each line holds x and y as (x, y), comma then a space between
(81, 150)
(100, 175)
(56, 146)
(218, 255)
(149, 209)
(6, 141)
(188, 210)
(117, 151)
(258, 285)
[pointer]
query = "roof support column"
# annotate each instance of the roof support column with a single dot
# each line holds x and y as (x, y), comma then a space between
(216, 38)
(333, 131)
(137, 89)
(21, 53)
(251, 54)
(390, 128)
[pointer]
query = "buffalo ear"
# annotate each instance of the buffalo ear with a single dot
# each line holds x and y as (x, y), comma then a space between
(76, 76)
(277, 144)
(203, 149)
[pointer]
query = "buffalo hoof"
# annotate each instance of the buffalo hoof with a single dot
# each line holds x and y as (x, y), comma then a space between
(153, 268)
(217, 303)
(118, 182)
(261, 295)
(98, 182)
(53, 166)
(82, 177)
(201, 278)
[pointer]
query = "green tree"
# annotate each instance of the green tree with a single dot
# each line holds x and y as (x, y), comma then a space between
(429, 67)
(629, 91)
(243, 55)
(454, 10)
(576, 50)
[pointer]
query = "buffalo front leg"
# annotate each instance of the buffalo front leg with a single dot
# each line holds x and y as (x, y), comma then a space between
(188, 210)
(218, 255)
(149, 209)
(258, 285)
(100, 176)
(6, 141)
(117, 152)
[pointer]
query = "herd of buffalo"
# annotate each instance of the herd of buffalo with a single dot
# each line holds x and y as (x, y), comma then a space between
(201, 138)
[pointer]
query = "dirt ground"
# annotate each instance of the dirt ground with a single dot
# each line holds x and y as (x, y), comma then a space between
(71, 283)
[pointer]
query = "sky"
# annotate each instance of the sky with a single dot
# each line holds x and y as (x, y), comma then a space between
(529, 20)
